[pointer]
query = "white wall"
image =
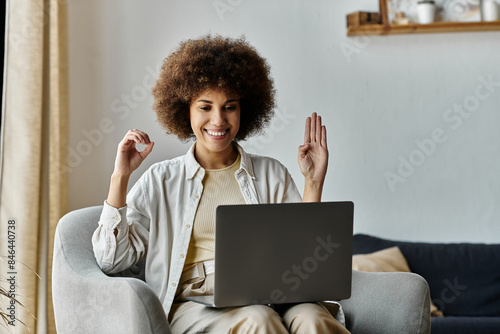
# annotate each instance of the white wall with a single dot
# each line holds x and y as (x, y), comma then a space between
(378, 96)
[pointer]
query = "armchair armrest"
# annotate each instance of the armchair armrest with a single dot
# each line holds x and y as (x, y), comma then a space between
(388, 303)
(88, 301)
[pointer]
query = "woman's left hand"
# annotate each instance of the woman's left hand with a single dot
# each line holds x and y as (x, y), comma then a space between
(313, 155)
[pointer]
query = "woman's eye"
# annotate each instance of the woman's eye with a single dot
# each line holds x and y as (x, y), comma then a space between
(206, 108)
(230, 107)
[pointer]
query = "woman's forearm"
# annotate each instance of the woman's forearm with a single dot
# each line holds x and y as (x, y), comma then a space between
(117, 196)
(312, 191)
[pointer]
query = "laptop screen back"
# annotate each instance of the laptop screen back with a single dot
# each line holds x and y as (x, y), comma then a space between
(283, 253)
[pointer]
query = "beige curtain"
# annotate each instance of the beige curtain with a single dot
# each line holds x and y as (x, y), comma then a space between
(33, 179)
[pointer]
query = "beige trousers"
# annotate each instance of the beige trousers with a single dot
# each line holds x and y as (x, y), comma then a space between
(189, 317)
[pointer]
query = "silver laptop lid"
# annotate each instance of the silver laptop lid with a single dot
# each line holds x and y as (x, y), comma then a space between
(283, 253)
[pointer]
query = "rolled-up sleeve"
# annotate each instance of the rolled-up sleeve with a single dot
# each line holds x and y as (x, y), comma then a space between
(117, 253)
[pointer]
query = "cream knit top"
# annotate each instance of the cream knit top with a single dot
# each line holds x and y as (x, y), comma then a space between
(219, 188)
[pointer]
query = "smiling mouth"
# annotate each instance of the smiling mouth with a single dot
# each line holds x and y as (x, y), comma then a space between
(217, 134)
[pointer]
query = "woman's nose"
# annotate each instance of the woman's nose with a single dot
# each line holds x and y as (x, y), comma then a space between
(218, 117)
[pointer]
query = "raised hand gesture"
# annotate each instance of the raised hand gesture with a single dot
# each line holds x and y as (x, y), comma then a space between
(313, 158)
(128, 159)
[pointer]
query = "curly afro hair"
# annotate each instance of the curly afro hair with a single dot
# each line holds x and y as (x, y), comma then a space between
(230, 65)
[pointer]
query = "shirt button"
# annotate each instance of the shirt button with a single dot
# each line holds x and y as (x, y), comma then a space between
(188, 226)
(117, 219)
(195, 196)
(110, 245)
(182, 256)
(174, 284)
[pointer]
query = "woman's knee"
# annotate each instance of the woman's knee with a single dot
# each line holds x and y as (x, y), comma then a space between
(258, 319)
(311, 318)
(260, 314)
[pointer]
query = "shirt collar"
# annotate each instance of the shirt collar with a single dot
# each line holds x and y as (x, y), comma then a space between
(192, 166)
(246, 161)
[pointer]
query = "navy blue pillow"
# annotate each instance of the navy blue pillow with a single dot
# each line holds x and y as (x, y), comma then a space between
(464, 279)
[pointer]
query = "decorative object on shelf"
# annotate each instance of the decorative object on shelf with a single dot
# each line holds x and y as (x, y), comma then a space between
(461, 11)
(361, 18)
(408, 7)
(401, 19)
(426, 11)
(490, 10)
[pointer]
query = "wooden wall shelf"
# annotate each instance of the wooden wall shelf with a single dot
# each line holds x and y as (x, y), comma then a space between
(359, 24)
(438, 27)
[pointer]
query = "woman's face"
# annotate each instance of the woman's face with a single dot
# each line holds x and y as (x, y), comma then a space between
(215, 120)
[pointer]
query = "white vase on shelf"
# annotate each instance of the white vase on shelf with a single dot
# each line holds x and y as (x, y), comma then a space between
(426, 11)
(490, 10)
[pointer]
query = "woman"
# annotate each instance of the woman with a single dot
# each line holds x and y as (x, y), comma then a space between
(218, 91)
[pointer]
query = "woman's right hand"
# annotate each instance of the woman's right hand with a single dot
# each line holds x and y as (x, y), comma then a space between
(128, 158)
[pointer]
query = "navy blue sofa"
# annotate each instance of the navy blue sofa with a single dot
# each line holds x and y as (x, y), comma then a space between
(464, 281)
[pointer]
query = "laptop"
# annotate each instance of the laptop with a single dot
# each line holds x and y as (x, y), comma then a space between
(281, 253)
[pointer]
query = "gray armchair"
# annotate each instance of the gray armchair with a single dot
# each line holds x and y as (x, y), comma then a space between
(88, 301)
